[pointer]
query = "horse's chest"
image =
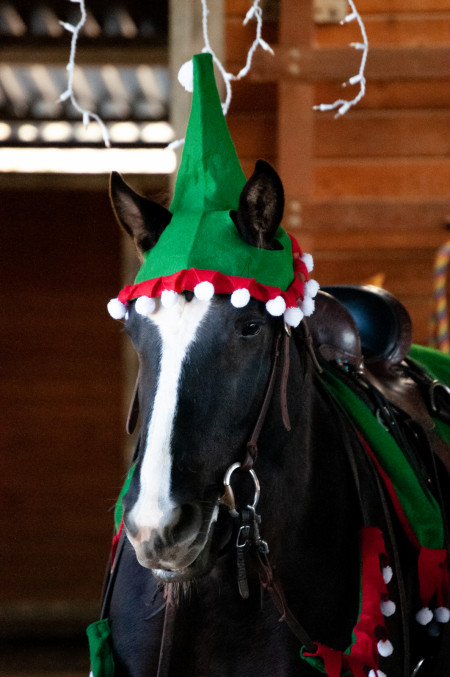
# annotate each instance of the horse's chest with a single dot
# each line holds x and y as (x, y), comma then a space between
(230, 639)
(215, 632)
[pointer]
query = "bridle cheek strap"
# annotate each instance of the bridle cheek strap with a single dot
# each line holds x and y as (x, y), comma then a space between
(281, 346)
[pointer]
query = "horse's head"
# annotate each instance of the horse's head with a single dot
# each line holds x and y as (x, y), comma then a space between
(204, 365)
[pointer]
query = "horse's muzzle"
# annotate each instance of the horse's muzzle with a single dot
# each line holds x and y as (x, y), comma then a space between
(176, 542)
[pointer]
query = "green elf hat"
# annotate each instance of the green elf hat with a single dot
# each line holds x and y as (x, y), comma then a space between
(201, 249)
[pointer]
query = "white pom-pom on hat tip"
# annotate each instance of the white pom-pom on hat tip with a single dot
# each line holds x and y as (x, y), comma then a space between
(311, 288)
(293, 316)
(376, 673)
(388, 607)
(240, 298)
(385, 648)
(117, 309)
(204, 291)
(442, 614)
(424, 616)
(186, 76)
(308, 261)
(276, 306)
(169, 298)
(145, 305)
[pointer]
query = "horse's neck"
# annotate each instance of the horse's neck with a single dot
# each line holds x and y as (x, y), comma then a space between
(313, 518)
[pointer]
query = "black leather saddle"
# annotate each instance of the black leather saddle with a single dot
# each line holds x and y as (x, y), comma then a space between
(362, 325)
(383, 323)
(367, 330)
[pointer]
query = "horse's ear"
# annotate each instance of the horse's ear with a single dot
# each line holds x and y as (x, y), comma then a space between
(143, 219)
(261, 207)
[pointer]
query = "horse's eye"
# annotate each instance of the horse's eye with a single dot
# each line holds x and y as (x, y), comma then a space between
(251, 329)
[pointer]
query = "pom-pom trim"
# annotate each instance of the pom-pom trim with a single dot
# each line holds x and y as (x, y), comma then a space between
(424, 616)
(240, 298)
(204, 291)
(145, 305)
(388, 607)
(169, 298)
(276, 306)
(442, 614)
(117, 309)
(385, 648)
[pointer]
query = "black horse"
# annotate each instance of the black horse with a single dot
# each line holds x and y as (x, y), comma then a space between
(195, 590)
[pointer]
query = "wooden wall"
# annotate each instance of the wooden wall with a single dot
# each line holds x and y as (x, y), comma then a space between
(60, 394)
(372, 191)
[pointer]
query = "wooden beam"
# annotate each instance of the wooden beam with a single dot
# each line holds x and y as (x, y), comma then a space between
(306, 64)
(295, 114)
(135, 53)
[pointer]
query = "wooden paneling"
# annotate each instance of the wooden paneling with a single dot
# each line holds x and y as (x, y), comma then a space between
(412, 30)
(421, 94)
(369, 177)
(358, 134)
(408, 133)
(377, 180)
(253, 134)
(386, 63)
(398, 6)
(60, 394)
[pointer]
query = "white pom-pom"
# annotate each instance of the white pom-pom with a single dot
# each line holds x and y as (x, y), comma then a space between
(311, 288)
(376, 673)
(308, 305)
(186, 76)
(204, 291)
(276, 306)
(169, 298)
(387, 607)
(308, 261)
(240, 298)
(387, 574)
(442, 614)
(116, 309)
(293, 316)
(385, 648)
(424, 616)
(145, 305)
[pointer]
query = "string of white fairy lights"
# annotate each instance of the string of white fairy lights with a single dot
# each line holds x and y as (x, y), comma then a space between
(69, 93)
(185, 74)
(343, 105)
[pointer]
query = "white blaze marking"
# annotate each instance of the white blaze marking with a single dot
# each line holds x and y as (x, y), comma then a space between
(177, 326)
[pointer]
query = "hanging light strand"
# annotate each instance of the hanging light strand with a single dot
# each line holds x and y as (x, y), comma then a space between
(69, 93)
(343, 105)
(185, 75)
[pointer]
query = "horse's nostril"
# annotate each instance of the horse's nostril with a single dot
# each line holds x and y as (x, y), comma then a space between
(183, 524)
